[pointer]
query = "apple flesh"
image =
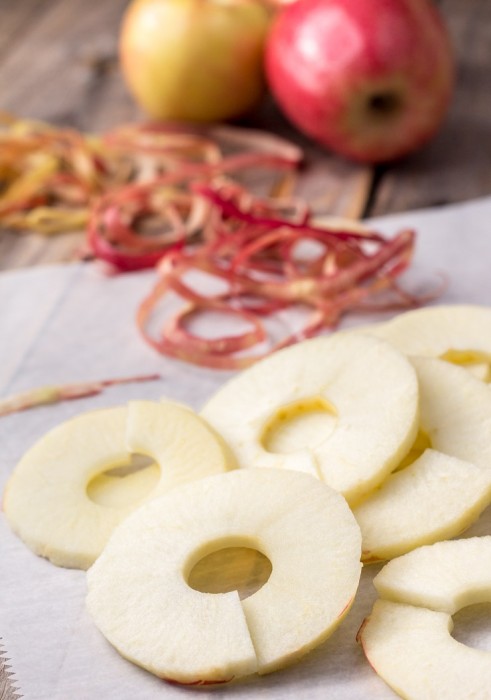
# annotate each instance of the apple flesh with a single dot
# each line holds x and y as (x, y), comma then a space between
(407, 637)
(194, 60)
(48, 502)
(371, 80)
(445, 490)
(343, 408)
(459, 333)
(140, 599)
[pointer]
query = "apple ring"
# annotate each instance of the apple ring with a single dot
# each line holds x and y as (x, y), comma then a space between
(360, 397)
(460, 334)
(407, 637)
(140, 600)
(446, 489)
(46, 501)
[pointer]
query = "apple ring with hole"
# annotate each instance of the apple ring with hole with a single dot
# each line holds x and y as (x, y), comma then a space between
(407, 637)
(460, 334)
(445, 489)
(343, 408)
(60, 500)
(138, 592)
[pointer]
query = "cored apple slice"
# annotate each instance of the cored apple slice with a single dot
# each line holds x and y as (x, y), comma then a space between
(460, 334)
(48, 500)
(445, 576)
(410, 646)
(455, 411)
(413, 651)
(444, 491)
(344, 408)
(140, 599)
(435, 498)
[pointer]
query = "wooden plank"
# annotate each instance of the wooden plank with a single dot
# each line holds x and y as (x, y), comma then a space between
(14, 17)
(57, 69)
(455, 166)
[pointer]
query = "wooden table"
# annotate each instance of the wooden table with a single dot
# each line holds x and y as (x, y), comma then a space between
(58, 62)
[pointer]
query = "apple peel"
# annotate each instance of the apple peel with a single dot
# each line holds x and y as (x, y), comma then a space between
(140, 600)
(46, 500)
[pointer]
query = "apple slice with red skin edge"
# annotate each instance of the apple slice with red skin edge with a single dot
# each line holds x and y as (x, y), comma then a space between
(365, 393)
(47, 500)
(412, 650)
(419, 593)
(354, 75)
(445, 490)
(140, 600)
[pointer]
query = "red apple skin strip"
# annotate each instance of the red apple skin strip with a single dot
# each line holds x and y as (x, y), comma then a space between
(64, 392)
(252, 253)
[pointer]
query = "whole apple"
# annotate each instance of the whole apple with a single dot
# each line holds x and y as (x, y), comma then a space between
(194, 60)
(371, 79)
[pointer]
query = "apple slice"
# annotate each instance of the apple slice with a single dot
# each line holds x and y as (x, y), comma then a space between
(445, 576)
(455, 410)
(411, 649)
(48, 501)
(343, 408)
(460, 334)
(437, 497)
(140, 600)
(445, 490)
(406, 638)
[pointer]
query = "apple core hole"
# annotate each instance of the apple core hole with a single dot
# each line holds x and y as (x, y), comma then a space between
(421, 443)
(241, 569)
(472, 626)
(384, 104)
(475, 361)
(302, 424)
(124, 484)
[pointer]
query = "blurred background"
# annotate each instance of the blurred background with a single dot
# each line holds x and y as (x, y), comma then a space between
(59, 63)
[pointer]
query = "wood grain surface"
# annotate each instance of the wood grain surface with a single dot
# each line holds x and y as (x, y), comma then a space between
(58, 62)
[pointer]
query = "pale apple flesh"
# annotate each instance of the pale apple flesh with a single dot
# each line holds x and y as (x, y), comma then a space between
(460, 334)
(407, 637)
(445, 576)
(445, 489)
(342, 408)
(138, 592)
(413, 651)
(437, 497)
(59, 498)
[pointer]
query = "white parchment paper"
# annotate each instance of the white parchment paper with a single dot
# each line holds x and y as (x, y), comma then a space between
(67, 324)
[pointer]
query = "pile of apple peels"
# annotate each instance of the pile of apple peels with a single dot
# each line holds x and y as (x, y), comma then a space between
(165, 196)
(370, 444)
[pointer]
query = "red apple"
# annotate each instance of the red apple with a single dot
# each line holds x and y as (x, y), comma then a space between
(194, 60)
(371, 79)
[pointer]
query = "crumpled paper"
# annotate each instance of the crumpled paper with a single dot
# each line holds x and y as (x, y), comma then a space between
(68, 323)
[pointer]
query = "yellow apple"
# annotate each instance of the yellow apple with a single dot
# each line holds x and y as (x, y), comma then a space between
(194, 60)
